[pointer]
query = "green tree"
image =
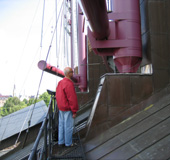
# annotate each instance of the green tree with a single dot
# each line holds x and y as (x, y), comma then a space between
(11, 105)
(46, 97)
(30, 101)
(25, 101)
(14, 104)
(16, 101)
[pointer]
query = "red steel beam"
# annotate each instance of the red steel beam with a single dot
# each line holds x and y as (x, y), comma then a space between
(124, 40)
(53, 70)
(50, 69)
(96, 13)
(82, 49)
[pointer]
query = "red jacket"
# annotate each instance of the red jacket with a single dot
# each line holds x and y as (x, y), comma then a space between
(66, 96)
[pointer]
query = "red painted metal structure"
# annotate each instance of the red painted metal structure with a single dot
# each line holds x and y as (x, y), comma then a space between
(53, 70)
(82, 50)
(50, 69)
(80, 79)
(124, 40)
(96, 13)
(117, 34)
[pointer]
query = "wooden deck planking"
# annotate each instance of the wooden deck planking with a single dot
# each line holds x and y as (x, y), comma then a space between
(141, 143)
(114, 131)
(132, 136)
(130, 122)
(158, 151)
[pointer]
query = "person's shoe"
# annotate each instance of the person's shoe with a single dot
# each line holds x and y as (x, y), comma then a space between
(61, 145)
(72, 145)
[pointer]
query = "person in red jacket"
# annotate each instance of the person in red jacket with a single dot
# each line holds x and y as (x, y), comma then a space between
(68, 106)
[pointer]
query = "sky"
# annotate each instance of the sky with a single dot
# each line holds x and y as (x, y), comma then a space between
(21, 46)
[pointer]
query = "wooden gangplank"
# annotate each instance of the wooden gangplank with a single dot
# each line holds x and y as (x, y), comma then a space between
(145, 135)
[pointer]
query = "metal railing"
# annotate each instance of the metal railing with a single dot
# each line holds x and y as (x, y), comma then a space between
(46, 134)
(46, 128)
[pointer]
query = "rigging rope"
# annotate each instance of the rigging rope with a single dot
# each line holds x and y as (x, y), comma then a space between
(29, 122)
(66, 36)
(43, 71)
(27, 38)
(64, 21)
(28, 72)
(22, 126)
(61, 24)
(35, 55)
(42, 24)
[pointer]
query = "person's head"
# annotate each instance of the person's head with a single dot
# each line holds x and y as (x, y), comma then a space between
(68, 72)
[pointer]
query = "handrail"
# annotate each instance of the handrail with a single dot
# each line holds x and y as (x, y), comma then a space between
(48, 125)
(91, 116)
(44, 127)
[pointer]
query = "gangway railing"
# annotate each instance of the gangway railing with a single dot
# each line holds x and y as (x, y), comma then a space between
(45, 129)
(48, 131)
(93, 110)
